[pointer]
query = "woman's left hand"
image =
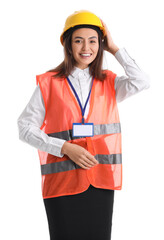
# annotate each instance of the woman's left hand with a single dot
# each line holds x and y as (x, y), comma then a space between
(108, 43)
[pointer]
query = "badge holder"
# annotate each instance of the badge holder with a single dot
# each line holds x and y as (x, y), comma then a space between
(82, 129)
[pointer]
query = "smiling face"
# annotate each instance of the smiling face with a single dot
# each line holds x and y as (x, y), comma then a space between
(85, 45)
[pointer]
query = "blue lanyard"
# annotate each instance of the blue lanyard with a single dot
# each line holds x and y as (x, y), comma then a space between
(82, 109)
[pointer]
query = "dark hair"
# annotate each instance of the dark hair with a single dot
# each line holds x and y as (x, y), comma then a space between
(65, 68)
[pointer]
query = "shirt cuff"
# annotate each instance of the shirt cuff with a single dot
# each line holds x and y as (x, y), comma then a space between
(55, 146)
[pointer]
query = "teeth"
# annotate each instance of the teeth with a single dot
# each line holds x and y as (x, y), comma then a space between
(86, 54)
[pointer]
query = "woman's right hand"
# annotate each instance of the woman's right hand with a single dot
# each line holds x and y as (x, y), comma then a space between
(79, 155)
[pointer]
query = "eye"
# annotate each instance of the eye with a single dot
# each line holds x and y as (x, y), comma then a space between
(77, 41)
(92, 41)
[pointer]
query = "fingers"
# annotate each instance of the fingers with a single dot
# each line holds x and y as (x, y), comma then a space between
(88, 160)
(91, 158)
(83, 166)
(102, 23)
(105, 26)
(81, 156)
(86, 165)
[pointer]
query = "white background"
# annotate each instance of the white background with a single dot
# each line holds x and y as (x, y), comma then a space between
(30, 45)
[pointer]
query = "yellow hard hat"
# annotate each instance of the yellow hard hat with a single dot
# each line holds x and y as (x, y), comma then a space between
(82, 17)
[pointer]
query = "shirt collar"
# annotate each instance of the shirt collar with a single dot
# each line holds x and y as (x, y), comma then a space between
(77, 70)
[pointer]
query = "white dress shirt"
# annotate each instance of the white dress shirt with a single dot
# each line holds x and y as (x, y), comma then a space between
(32, 117)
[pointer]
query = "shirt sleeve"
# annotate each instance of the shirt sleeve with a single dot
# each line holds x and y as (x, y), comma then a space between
(29, 123)
(135, 80)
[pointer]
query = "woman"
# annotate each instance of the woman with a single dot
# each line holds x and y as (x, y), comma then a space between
(72, 119)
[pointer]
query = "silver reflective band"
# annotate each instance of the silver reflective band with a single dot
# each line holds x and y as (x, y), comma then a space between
(107, 128)
(99, 129)
(70, 165)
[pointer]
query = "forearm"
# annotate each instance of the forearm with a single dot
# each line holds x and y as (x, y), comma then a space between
(40, 140)
(29, 124)
(135, 79)
(114, 49)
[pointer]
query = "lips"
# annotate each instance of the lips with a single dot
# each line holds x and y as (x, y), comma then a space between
(85, 54)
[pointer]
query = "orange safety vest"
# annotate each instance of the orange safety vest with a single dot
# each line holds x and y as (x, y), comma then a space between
(62, 176)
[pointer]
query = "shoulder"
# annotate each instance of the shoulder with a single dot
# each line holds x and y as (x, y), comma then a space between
(46, 77)
(109, 79)
(109, 74)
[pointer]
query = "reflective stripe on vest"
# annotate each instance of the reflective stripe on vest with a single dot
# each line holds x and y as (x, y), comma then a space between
(98, 130)
(67, 165)
(70, 165)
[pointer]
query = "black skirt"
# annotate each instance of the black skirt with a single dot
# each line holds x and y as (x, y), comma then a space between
(87, 215)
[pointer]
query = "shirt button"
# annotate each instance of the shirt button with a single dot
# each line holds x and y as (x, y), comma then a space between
(81, 75)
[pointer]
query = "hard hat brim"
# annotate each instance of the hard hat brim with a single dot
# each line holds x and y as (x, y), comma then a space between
(82, 18)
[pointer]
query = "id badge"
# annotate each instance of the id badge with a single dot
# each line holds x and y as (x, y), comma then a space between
(83, 130)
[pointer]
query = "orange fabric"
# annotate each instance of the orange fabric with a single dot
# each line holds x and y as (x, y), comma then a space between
(62, 110)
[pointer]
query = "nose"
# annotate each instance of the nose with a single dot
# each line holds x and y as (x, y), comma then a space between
(85, 46)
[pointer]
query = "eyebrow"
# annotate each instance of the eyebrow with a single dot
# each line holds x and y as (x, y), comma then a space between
(83, 38)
